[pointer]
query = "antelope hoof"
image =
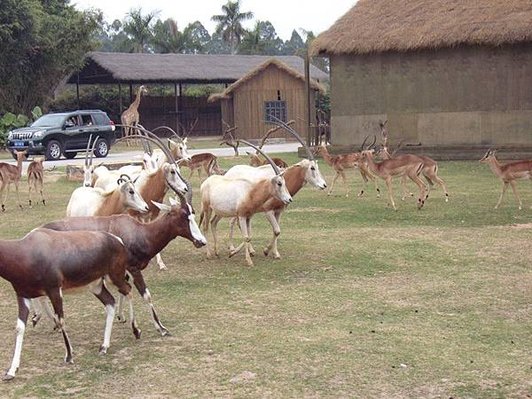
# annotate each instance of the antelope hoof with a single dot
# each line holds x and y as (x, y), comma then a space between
(121, 319)
(266, 252)
(165, 333)
(277, 256)
(7, 377)
(69, 360)
(136, 332)
(103, 350)
(35, 319)
(43, 202)
(249, 262)
(162, 267)
(3, 208)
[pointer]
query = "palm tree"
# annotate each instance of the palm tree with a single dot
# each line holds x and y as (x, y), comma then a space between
(139, 28)
(230, 23)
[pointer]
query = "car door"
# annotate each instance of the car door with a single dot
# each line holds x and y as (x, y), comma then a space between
(80, 136)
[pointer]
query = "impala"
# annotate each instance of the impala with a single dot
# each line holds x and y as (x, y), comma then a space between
(508, 173)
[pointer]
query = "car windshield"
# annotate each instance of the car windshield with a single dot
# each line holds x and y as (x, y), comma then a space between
(50, 120)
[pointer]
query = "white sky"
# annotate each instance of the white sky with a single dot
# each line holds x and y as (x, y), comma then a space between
(285, 15)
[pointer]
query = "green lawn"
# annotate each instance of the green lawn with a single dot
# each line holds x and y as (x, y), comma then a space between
(365, 303)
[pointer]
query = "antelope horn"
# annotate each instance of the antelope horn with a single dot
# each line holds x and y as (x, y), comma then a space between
(399, 146)
(274, 166)
(363, 143)
(170, 129)
(374, 141)
(123, 179)
(87, 152)
(290, 130)
(92, 150)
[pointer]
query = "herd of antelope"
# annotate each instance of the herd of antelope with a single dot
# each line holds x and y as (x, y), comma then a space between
(117, 221)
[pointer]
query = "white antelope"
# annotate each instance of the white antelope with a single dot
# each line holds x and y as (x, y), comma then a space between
(241, 198)
(295, 176)
(508, 173)
(91, 201)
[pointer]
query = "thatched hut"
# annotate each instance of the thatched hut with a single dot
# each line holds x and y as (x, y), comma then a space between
(454, 75)
(272, 88)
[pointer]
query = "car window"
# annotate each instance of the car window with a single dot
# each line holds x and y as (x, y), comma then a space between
(86, 120)
(100, 119)
(50, 120)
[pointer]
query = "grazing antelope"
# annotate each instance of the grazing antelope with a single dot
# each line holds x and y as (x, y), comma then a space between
(47, 262)
(11, 174)
(255, 159)
(429, 171)
(295, 176)
(347, 161)
(206, 161)
(35, 178)
(508, 173)
(410, 166)
(143, 240)
(239, 197)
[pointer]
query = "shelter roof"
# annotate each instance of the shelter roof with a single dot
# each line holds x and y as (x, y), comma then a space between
(373, 26)
(103, 67)
(256, 71)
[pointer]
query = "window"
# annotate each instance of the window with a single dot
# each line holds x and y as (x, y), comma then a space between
(275, 109)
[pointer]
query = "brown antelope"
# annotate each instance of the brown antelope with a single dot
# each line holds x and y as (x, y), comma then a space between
(347, 161)
(143, 241)
(46, 262)
(11, 174)
(35, 178)
(256, 160)
(206, 161)
(429, 171)
(239, 197)
(388, 169)
(508, 173)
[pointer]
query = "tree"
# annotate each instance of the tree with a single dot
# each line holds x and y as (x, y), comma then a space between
(41, 42)
(262, 39)
(167, 38)
(139, 29)
(230, 23)
(294, 45)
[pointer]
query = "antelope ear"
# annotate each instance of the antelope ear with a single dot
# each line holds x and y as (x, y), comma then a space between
(162, 207)
(185, 140)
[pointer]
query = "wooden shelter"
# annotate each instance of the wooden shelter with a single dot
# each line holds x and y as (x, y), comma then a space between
(452, 76)
(132, 69)
(273, 88)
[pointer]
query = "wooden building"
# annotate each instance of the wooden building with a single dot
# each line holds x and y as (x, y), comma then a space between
(272, 88)
(454, 76)
(179, 70)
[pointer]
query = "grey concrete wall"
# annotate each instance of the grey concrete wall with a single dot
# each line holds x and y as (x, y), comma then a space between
(463, 96)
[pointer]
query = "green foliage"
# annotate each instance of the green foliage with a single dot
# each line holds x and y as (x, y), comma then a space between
(41, 42)
(10, 121)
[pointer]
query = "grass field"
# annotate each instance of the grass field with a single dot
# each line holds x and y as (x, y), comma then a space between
(365, 303)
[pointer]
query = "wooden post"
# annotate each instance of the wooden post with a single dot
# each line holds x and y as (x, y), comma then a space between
(121, 105)
(77, 90)
(307, 95)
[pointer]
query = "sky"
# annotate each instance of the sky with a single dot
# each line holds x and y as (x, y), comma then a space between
(285, 15)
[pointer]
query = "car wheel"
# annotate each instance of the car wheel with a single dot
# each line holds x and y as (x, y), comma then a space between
(70, 155)
(54, 150)
(102, 148)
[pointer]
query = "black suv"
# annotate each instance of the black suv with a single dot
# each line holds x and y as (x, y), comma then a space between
(65, 133)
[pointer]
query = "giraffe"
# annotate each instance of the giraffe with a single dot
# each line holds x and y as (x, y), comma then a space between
(131, 115)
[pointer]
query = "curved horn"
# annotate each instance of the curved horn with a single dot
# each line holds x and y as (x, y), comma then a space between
(170, 129)
(290, 130)
(151, 137)
(363, 143)
(87, 152)
(92, 150)
(274, 166)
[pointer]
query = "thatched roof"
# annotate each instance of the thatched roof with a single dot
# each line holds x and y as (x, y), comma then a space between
(272, 62)
(104, 67)
(404, 25)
